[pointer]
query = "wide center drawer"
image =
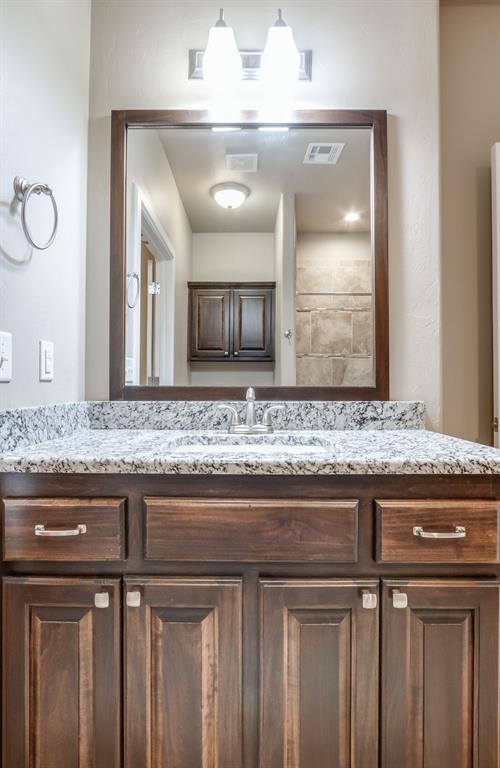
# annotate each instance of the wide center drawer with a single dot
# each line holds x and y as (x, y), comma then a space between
(253, 530)
(439, 531)
(63, 529)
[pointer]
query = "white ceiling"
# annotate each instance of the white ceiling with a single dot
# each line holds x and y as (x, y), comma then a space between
(324, 194)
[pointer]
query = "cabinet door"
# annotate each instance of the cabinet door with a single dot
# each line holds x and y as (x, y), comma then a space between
(320, 659)
(183, 672)
(253, 323)
(440, 674)
(210, 323)
(61, 692)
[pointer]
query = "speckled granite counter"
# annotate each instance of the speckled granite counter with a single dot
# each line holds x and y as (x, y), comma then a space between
(340, 452)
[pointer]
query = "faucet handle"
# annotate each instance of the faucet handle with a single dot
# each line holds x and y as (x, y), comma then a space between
(250, 395)
(266, 419)
(235, 416)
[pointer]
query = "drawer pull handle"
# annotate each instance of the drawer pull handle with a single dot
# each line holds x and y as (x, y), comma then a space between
(40, 530)
(458, 533)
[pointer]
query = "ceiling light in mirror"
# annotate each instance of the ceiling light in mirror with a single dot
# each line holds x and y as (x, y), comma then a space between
(281, 59)
(229, 195)
(221, 60)
(351, 217)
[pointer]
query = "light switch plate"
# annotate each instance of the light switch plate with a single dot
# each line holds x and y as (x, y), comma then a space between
(5, 357)
(46, 360)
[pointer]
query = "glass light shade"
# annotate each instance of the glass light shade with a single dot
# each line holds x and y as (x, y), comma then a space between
(230, 195)
(281, 59)
(221, 60)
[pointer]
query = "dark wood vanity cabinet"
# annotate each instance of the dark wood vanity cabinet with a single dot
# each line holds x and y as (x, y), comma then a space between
(257, 633)
(61, 673)
(231, 322)
(440, 674)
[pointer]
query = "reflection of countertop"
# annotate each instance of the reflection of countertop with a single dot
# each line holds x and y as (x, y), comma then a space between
(343, 452)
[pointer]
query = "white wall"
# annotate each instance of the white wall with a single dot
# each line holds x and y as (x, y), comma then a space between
(284, 255)
(367, 54)
(148, 167)
(44, 82)
(470, 107)
(237, 256)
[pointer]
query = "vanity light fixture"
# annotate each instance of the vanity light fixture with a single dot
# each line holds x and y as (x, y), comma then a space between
(229, 195)
(281, 59)
(280, 63)
(351, 217)
(222, 60)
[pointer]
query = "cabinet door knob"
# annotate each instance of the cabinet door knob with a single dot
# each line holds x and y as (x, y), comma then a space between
(399, 599)
(370, 600)
(236, 354)
(226, 354)
(134, 599)
(101, 600)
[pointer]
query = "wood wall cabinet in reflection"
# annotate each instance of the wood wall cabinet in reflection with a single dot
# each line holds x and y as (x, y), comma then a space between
(231, 322)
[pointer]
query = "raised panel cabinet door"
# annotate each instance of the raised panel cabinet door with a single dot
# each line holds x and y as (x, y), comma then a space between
(61, 673)
(183, 673)
(253, 314)
(440, 674)
(319, 674)
(210, 323)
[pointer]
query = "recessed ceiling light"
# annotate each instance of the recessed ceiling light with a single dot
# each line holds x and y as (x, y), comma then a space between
(229, 195)
(351, 217)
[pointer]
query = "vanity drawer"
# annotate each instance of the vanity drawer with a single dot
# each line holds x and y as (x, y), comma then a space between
(63, 529)
(442, 531)
(254, 530)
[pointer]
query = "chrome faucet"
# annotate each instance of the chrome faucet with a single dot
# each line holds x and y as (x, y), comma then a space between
(251, 425)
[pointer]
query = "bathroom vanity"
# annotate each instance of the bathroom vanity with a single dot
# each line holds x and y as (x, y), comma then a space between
(184, 597)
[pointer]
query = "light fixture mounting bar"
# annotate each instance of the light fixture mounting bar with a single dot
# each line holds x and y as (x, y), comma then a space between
(251, 61)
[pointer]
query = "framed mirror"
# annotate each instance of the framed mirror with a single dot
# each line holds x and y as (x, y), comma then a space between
(249, 254)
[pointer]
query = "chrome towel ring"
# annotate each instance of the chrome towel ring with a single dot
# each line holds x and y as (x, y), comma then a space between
(130, 277)
(23, 191)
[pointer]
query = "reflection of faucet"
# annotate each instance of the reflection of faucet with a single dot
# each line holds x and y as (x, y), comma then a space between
(251, 424)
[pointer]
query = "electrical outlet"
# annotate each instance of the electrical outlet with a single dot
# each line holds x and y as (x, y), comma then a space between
(5, 357)
(46, 360)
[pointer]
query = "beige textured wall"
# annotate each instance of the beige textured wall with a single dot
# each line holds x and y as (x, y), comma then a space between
(382, 55)
(470, 124)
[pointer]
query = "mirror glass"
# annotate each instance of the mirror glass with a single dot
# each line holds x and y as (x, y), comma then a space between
(249, 257)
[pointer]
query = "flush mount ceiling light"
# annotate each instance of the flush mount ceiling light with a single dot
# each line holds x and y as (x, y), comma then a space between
(229, 195)
(352, 217)
(221, 60)
(281, 59)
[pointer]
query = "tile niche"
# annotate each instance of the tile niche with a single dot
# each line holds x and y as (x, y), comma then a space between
(334, 309)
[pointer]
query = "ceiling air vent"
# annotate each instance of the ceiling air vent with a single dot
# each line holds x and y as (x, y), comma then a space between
(323, 154)
(242, 163)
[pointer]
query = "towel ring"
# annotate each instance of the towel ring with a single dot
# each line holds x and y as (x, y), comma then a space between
(23, 191)
(133, 276)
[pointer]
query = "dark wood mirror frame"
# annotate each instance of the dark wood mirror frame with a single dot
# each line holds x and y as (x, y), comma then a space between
(120, 122)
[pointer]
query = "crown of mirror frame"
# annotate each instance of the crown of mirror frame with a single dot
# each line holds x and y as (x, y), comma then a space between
(222, 64)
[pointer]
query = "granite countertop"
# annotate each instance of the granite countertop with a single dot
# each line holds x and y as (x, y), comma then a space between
(331, 452)
(184, 437)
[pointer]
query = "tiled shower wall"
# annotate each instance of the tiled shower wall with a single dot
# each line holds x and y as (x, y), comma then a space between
(334, 313)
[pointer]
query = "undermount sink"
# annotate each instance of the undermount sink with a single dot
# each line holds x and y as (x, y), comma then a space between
(251, 445)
